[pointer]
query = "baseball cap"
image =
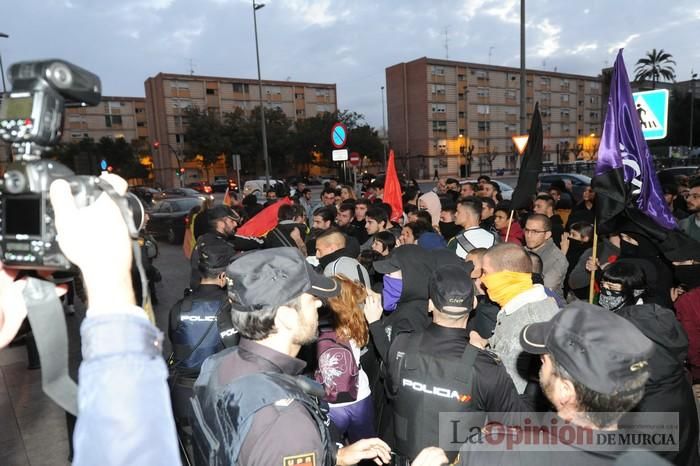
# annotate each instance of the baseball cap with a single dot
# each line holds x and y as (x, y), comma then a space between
(215, 253)
(222, 211)
(349, 267)
(272, 277)
(451, 287)
(598, 348)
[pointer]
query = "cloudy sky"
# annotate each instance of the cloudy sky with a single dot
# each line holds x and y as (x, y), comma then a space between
(347, 42)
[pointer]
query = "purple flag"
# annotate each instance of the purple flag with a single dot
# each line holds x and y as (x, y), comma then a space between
(622, 147)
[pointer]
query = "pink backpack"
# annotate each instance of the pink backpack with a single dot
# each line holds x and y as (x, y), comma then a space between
(337, 369)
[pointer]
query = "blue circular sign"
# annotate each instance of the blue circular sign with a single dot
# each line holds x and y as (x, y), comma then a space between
(339, 135)
(103, 165)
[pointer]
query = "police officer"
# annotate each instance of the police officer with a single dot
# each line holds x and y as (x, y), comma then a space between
(250, 406)
(436, 370)
(223, 222)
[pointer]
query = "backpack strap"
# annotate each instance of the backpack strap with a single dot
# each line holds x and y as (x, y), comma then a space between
(466, 364)
(282, 238)
(464, 242)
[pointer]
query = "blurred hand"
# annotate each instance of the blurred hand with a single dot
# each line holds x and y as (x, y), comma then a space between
(96, 239)
(564, 244)
(373, 306)
(431, 456)
(366, 449)
(676, 293)
(592, 264)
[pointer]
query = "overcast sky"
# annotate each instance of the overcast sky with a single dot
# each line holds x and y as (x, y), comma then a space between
(347, 42)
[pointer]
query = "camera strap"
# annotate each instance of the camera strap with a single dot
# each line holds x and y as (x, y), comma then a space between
(47, 319)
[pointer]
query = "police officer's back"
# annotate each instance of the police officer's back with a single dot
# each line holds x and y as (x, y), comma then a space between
(437, 370)
(250, 405)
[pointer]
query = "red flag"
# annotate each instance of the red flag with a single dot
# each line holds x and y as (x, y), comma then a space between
(264, 221)
(392, 189)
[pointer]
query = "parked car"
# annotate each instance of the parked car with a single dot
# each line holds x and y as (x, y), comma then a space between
(201, 186)
(146, 194)
(221, 183)
(578, 182)
(167, 219)
(187, 192)
(506, 189)
(668, 175)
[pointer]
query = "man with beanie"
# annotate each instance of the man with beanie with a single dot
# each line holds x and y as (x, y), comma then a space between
(507, 276)
(594, 368)
(440, 356)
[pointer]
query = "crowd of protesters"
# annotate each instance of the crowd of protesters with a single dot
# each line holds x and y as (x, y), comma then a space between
(458, 332)
(460, 297)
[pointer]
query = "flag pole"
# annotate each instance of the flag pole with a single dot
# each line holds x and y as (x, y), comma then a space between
(510, 221)
(591, 286)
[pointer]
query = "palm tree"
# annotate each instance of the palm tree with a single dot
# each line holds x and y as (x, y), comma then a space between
(655, 65)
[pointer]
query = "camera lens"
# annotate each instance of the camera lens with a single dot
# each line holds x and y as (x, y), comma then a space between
(15, 181)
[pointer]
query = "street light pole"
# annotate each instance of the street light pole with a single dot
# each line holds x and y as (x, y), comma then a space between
(256, 7)
(523, 77)
(2, 70)
(383, 129)
(692, 105)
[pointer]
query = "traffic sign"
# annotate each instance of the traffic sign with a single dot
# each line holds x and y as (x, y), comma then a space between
(354, 158)
(520, 142)
(652, 109)
(339, 135)
(340, 155)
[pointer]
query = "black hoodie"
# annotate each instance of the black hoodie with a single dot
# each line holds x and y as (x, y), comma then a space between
(668, 388)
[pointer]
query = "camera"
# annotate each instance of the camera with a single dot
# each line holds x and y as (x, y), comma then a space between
(31, 119)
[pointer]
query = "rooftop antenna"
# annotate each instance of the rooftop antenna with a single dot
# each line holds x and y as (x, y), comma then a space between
(490, 52)
(191, 67)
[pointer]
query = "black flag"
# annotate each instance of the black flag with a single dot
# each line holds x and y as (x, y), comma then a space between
(531, 164)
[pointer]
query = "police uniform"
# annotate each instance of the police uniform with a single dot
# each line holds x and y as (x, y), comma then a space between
(284, 432)
(435, 371)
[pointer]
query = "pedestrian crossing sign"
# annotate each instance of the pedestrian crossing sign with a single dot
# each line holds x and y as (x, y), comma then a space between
(652, 109)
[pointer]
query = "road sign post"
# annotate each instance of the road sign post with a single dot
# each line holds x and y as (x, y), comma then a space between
(652, 110)
(236, 164)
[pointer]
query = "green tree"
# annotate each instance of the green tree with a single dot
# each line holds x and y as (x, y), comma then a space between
(656, 64)
(206, 136)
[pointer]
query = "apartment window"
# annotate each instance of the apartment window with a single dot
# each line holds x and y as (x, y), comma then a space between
(511, 111)
(546, 96)
(565, 97)
(460, 96)
(482, 92)
(140, 124)
(580, 117)
(484, 126)
(75, 119)
(180, 138)
(437, 70)
(593, 99)
(113, 120)
(564, 114)
(482, 75)
(211, 91)
(78, 136)
(461, 77)
(240, 88)
(461, 114)
(300, 112)
(179, 86)
(461, 131)
(580, 103)
(546, 127)
(510, 128)
(274, 90)
(545, 82)
(140, 110)
(299, 96)
(181, 103)
(439, 108)
(564, 83)
(322, 93)
(565, 128)
(324, 108)
(529, 83)
(483, 109)
(595, 86)
(213, 111)
(439, 126)
(437, 89)
(594, 115)
(511, 94)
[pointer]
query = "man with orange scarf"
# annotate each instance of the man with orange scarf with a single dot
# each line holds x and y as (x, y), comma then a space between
(507, 277)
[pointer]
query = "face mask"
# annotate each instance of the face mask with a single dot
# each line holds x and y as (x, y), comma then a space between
(612, 300)
(392, 292)
(688, 275)
(503, 286)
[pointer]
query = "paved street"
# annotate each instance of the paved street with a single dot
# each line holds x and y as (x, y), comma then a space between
(33, 430)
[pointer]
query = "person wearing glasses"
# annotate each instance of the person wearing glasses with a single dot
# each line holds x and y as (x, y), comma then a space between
(538, 239)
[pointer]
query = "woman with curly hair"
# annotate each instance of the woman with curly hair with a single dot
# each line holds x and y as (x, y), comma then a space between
(352, 418)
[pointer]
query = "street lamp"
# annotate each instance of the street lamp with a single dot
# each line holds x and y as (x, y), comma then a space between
(2, 70)
(383, 129)
(256, 7)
